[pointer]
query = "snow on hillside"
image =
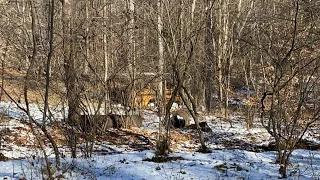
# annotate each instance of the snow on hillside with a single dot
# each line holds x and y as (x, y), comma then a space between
(236, 154)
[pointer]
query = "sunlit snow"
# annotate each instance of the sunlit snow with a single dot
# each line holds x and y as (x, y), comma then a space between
(121, 162)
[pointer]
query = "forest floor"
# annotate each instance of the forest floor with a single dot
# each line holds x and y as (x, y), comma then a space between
(237, 152)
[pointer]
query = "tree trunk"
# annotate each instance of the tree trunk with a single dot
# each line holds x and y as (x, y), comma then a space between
(106, 59)
(193, 111)
(220, 56)
(161, 89)
(87, 44)
(26, 87)
(48, 68)
(70, 75)
(209, 58)
(3, 60)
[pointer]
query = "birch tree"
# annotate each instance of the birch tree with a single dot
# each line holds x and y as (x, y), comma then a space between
(161, 89)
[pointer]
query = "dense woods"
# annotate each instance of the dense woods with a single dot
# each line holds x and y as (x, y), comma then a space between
(90, 55)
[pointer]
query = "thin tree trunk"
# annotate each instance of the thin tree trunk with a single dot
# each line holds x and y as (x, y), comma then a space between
(225, 59)
(106, 59)
(87, 44)
(193, 111)
(26, 87)
(70, 75)
(132, 61)
(4, 57)
(164, 109)
(209, 57)
(161, 89)
(220, 55)
(193, 7)
(48, 65)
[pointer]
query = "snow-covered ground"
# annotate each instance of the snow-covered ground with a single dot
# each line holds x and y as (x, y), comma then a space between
(220, 164)
(236, 153)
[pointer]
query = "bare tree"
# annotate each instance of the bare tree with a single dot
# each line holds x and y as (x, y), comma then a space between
(286, 114)
(161, 85)
(209, 57)
(70, 74)
(179, 39)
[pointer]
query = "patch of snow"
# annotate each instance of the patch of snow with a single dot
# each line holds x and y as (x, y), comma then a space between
(120, 162)
(220, 164)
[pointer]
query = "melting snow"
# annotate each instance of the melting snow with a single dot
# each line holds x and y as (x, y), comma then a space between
(226, 161)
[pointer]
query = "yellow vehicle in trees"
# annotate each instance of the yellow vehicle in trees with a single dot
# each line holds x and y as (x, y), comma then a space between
(145, 90)
(147, 96)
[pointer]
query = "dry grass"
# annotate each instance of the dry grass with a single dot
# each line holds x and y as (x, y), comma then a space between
(13, 83)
